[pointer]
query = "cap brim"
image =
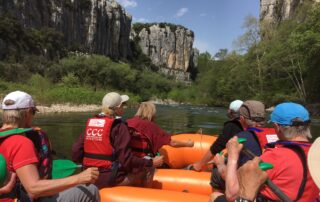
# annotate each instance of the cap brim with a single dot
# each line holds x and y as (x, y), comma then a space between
(124, 98)
(314, 161)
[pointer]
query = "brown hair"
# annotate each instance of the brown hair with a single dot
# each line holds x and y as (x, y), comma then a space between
(147, 111)
(14, 116)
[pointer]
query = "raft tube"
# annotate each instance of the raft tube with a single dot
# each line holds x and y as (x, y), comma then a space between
(182, 157)
(135, 194)
(182, 181)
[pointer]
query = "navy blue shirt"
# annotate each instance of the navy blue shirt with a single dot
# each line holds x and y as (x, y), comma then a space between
(252, 144)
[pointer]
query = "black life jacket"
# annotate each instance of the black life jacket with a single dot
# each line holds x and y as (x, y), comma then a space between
(43, 147)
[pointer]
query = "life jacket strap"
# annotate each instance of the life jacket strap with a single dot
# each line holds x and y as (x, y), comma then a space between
(99, 156)
(14, 131)
(146, 151)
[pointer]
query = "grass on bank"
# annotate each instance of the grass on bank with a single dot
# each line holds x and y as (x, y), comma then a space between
(46, 93)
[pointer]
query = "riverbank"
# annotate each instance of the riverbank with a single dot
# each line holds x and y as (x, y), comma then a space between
(68, 107)
(60, 108)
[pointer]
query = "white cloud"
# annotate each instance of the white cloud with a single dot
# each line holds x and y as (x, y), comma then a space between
(128, 3)
(203, 14)
(181, 12)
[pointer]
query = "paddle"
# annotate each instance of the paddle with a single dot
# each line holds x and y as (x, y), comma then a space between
(3, 170)
(63, 168)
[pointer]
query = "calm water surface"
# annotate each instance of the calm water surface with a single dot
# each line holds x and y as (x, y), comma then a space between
(64, 128)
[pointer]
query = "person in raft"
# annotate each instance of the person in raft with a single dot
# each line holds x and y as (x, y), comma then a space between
(230, 129)
(147, 137)
(288, 156)
(23, 158)
(106, 144)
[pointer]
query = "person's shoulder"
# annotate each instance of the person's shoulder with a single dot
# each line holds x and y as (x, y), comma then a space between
(243, 134)
(233, 124)
(279, 152)
(18, 140)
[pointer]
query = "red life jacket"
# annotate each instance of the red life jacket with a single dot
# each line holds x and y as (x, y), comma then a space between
(265, 135)
(140, 144)
(98, 151)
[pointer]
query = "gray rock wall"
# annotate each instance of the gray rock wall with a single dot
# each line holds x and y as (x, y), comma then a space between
(275, 11)
(169, 47)
(97, 26)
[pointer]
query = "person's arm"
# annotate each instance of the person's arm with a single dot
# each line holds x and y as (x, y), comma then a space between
(177, 143)
(198, 166)
(232, 184)
(229, 130)
(221, 166)
(78, 149)
(251, 177)
(36, 187)
(9, 184)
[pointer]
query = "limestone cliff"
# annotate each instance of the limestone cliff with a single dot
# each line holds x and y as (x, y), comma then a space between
(95, 26)
(169, 46)
(275, 11)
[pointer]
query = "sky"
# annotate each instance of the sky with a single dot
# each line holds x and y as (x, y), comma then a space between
(216, 23)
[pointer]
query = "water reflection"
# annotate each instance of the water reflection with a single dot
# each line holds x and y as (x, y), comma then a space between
(64, 128)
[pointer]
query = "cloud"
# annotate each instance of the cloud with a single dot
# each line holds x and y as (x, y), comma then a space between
(181, 12)
(128, 3)
(203, 14)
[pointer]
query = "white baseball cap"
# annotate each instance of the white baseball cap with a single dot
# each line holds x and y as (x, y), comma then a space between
(114, 99)
(314, 161)
(18, 100)
(235, 105)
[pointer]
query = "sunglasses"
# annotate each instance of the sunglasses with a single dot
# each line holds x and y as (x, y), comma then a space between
(33, 111)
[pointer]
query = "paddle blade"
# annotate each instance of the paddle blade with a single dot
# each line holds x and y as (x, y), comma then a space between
(63, 168)
(3, 170)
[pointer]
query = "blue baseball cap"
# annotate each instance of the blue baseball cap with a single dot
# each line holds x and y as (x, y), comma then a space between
(286, 113)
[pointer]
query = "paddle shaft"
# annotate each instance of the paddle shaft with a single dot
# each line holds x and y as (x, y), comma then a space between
(274, 188)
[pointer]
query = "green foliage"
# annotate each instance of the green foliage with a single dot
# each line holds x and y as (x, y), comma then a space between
(70, 80)
(20, 41)
(282, 66)
(137, 27)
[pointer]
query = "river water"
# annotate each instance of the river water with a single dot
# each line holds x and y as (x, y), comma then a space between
(64, 128)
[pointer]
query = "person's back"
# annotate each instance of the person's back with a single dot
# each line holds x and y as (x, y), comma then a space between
(154, 136)
(290, 172)
(230, 128)
(108, 148)
(21, 151)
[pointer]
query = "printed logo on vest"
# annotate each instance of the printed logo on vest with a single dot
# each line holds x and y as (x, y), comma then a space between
(97, 123)
(94, 134)
(272, 138)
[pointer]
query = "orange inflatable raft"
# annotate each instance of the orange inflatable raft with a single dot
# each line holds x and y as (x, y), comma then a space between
(182, 181)
(135, 194)
(184, 156)
(169, 185)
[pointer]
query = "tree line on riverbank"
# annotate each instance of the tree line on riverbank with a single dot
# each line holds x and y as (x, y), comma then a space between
(270, 64)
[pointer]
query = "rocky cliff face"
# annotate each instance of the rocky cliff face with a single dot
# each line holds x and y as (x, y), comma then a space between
(275, 11)
(96, 26)
(169, 47)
